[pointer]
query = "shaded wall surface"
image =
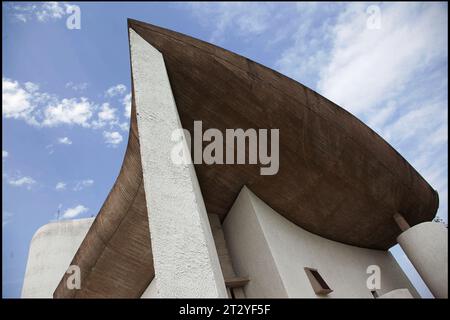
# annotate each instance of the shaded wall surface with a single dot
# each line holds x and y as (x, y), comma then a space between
(273, 252)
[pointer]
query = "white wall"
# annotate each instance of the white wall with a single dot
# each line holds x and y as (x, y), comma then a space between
(273, 252)
(250, 253)
(426, 246)
(51, 250)
(185, 257)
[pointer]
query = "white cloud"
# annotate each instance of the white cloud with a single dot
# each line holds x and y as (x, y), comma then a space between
(69, 111)
(41, 12)
(267, 25)
(116, 90)
(15, 100)
(64, 140)
(50, 10)
(43, 109)
(74, 212)
(244, 18)
(60, 186)
(127, 105)
(112, 138)
(21, 17)
(5, 154)
(423, 118)
(309, 33)
(107, 114)
(77, 86)
(22, 181)
(22, 13)
(31, 87)
(394, 79)
(367, 65)
(80, 185)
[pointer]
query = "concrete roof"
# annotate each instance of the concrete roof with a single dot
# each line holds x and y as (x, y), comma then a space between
(337, 177)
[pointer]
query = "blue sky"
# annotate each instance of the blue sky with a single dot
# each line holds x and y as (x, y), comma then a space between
(65, 105)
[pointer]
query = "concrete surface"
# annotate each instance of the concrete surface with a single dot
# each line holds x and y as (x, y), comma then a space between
(273, 252)
(426, 246)
(332, 166)
(51, 251)
(337, 178)
(185, 258)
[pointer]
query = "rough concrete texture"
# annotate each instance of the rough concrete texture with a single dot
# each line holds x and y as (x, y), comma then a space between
(272, 252)
(51, 251)
(426, 246)
(337, 178)
(185, 258)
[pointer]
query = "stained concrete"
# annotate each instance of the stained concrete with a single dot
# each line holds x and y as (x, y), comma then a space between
(51, 251)
(337, 177)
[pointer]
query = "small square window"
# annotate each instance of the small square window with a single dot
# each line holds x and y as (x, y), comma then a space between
(317, 282)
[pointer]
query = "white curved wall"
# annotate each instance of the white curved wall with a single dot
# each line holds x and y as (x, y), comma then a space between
(272, 252)
(51, 251)
(426, 246)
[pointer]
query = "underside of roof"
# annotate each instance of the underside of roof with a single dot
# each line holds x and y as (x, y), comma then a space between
(337, 178)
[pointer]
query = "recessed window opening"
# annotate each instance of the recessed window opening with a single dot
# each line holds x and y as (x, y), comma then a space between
(318, 284)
